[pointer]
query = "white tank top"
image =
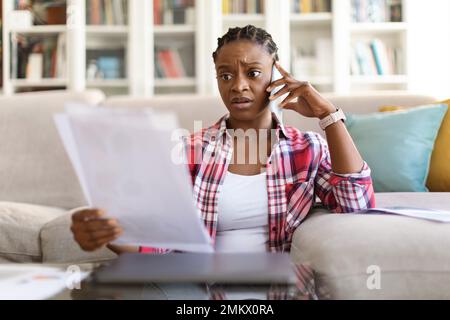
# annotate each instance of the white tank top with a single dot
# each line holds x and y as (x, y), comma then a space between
(243, 214)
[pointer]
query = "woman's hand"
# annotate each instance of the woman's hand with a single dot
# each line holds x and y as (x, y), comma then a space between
(302, 98)
(92, 229)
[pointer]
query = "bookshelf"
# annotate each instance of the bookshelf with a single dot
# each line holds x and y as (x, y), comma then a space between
(311, 43)
(107, 45)
(333, 48)
(175, 42)
(40, 44)
(155, 50)
(386, 33)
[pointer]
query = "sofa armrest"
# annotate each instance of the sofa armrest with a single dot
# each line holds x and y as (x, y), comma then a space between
(20, 225)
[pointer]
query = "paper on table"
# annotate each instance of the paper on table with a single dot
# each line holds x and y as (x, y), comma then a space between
(421, 213)
(126, 168)
(32, 282)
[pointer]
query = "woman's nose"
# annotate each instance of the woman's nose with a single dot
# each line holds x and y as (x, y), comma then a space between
(240, 84)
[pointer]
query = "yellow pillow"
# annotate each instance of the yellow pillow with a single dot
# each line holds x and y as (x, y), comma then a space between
(439, 175)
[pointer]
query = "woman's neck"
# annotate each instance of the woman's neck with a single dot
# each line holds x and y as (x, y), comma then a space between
(263, 121)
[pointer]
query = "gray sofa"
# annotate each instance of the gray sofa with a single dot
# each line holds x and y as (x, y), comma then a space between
(39, 190)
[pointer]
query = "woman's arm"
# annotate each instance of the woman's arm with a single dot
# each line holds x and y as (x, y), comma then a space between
(308, 102)
(345, 157)
(122, 249)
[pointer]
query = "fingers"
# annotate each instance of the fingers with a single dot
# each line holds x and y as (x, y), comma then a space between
(283, 90)
(105, 233)
(92, 229)
(292, 84)
(276, 83)
(83, 215)
(283, 72)
(288, 99)
(91, 241)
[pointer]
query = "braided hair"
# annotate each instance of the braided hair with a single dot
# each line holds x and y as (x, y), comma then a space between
(251, 33)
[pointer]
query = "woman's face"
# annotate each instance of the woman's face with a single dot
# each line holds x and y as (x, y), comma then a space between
(244, 71)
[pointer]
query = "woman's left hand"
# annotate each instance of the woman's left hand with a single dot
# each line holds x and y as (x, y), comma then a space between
(302, 98)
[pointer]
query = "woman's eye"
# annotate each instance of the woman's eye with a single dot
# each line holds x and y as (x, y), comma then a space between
(254, 73)
(225, 76)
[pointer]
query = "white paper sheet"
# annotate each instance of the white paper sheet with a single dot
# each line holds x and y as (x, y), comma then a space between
(28, 282)
(421, 213)
(125, 166)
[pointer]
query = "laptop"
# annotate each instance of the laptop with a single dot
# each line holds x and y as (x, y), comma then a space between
(233, 268)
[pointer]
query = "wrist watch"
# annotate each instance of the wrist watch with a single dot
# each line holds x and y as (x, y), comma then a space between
(332, 118)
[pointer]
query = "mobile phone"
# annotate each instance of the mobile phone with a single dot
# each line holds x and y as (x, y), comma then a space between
(274, 105)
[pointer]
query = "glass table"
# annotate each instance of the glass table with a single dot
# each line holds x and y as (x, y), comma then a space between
(304, 288)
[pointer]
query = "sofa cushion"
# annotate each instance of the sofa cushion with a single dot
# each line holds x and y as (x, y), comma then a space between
(58, 245)
(20, 225)
(412, 254)
(439, 175)
(34, 166)
(398, 145)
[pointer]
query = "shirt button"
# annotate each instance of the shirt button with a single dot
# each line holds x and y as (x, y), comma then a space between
(213, 138)
(274, 229)
(213, 154)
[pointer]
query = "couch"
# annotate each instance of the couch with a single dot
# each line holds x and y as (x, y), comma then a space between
(39, 192)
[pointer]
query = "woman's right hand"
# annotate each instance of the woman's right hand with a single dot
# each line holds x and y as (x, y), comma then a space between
(92, 229)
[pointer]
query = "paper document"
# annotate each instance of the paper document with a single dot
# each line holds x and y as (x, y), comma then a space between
(125, 165)
(34, 282)
(421, 213)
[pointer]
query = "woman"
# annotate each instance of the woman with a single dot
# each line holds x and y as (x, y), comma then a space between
(248, 204)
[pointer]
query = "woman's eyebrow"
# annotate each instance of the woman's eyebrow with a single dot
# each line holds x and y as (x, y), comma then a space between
(222, 66)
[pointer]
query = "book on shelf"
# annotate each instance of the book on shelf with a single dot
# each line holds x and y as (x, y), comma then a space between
(44, 12)
(169, 64)
(105, 64)
(106, 12)
(167, 12)
(374, 58)
(38, 57)
(242, 7)
(309, 6)
(376, 10)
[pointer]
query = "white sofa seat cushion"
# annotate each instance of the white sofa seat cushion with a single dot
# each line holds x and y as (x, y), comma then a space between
(20, 226)
(412, 254)
(59, 246)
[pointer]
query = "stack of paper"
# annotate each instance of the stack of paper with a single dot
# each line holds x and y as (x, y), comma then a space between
(34, 282)
(421, 213)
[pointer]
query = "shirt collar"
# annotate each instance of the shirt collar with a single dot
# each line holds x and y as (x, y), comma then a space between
(221, 126)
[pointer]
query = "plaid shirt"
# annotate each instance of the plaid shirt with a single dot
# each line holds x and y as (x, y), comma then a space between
(298, 169)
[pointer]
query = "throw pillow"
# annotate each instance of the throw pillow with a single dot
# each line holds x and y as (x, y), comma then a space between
(398, 145)
(439, 174)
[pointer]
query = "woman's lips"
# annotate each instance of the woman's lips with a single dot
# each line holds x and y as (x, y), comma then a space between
(242, 105)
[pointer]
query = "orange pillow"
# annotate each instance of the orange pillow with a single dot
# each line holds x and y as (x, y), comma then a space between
(439, 174)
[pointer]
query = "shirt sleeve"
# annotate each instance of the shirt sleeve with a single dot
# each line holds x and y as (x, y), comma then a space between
(342, 193)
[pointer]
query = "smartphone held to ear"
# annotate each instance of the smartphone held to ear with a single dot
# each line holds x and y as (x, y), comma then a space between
(274, 104)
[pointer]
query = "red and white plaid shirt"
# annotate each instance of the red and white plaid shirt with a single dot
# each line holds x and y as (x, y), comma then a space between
(297, 170)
